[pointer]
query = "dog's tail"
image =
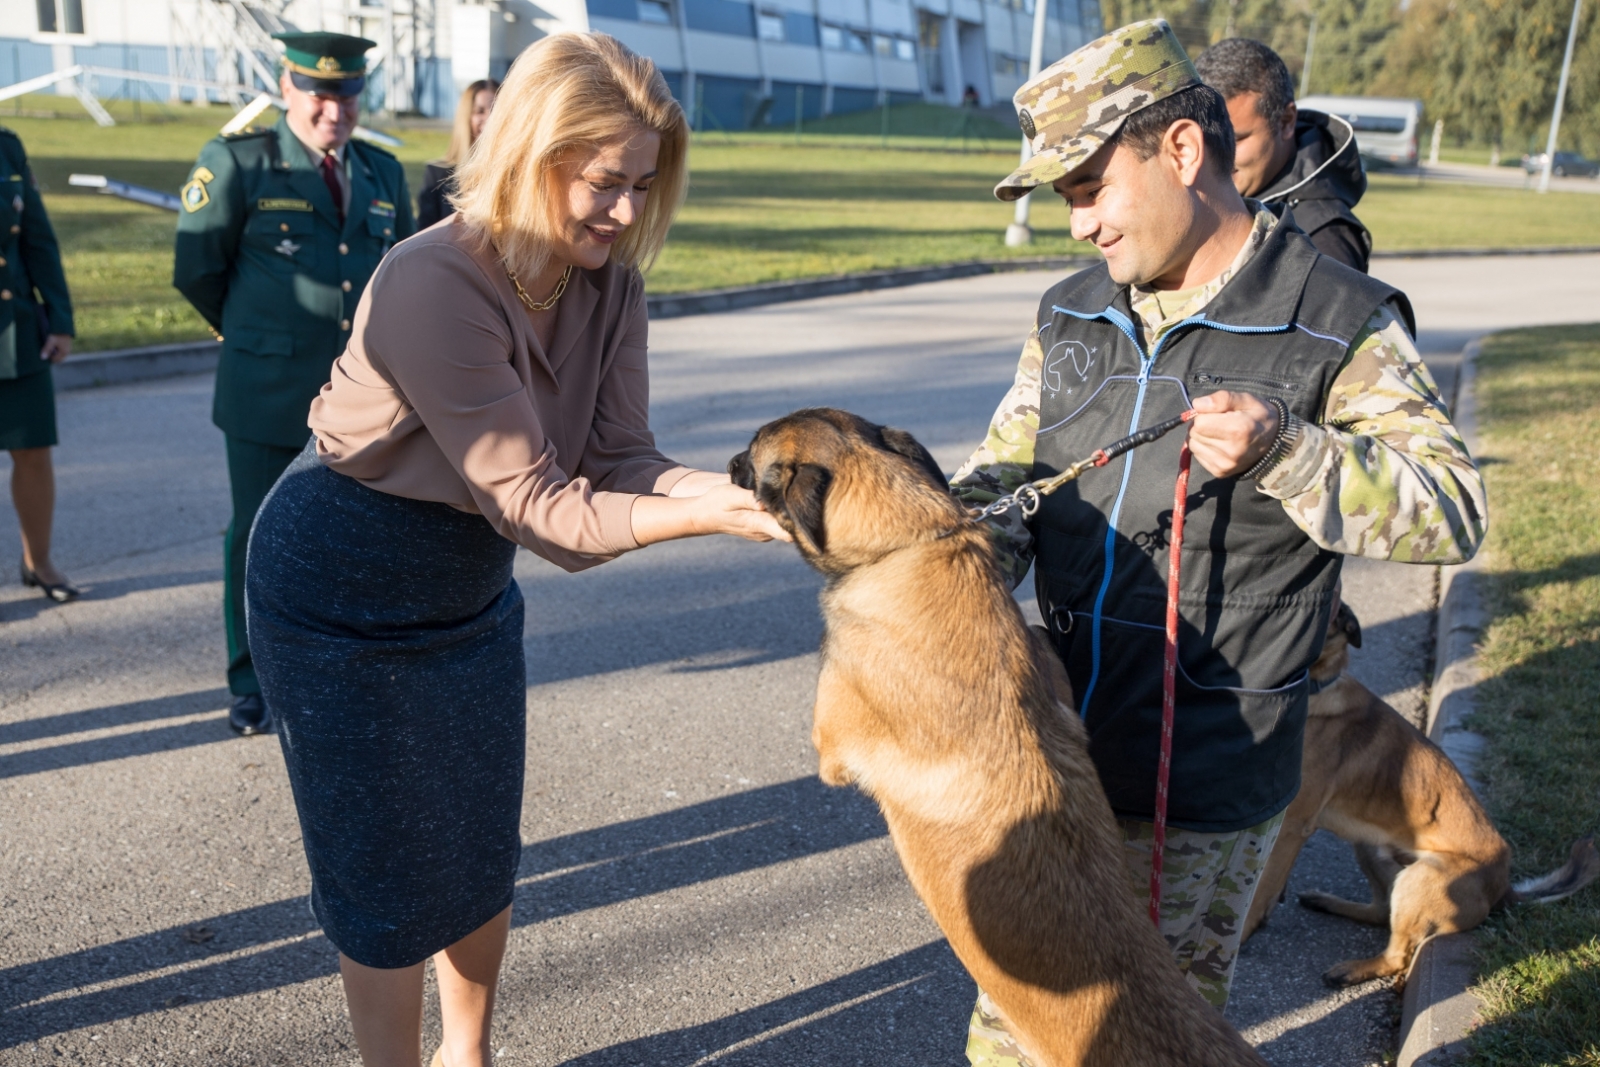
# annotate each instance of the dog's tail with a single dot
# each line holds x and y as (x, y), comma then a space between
(1581, 868)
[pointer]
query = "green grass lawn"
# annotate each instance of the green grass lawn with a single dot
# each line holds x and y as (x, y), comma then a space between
(761, 207)
(1539, 395)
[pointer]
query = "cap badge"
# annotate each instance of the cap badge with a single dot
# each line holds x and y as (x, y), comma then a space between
(328, 65)
(1025, 120)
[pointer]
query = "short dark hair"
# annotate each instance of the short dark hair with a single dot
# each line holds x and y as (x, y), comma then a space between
(1240, 65)
(1200, 104)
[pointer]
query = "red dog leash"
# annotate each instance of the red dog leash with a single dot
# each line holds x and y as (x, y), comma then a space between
(1169, 680)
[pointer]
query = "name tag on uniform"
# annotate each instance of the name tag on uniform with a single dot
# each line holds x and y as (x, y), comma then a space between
(382, 207)
(283, 205)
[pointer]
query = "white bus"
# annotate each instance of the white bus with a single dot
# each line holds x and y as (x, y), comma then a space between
(1386, 129)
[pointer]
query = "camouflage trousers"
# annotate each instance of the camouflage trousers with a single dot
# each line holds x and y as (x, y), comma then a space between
(1207, 881)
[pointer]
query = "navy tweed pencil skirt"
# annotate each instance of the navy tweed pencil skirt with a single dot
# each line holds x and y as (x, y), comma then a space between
(387, 636)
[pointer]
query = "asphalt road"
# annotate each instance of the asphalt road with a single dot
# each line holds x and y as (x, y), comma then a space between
(689, 893)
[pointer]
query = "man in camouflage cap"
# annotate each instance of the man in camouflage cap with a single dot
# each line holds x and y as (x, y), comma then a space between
(1319, 434)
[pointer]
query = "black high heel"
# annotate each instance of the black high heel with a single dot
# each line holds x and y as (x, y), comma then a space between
(61, 593)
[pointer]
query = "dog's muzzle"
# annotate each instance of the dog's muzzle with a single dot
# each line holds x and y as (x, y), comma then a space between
(742, 471)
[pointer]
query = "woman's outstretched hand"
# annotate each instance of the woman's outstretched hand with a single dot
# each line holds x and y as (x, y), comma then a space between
(720, 509)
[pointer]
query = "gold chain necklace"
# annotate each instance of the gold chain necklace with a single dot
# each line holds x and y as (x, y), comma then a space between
(544, 305)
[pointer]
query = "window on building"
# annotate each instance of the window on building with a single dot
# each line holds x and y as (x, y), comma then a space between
(856, 42)
(60, 16)
(904, 49)
(656, 11)
(832, 37)
(884, 46)
(769, 26)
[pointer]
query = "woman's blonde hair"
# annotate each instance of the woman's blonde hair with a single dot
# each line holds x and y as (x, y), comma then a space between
(564, 97)
(461, 131)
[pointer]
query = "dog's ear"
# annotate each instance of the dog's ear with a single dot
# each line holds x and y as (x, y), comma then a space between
(1350, 625)
(805, 500)
(902, 443)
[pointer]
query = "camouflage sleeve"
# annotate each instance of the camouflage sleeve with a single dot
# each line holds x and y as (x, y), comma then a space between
(1385, 475)
(1005, 461)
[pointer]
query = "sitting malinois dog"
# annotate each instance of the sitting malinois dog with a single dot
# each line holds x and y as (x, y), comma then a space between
(1436, 863)
(939, 703)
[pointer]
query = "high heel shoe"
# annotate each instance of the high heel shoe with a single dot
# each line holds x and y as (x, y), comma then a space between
(61, 592)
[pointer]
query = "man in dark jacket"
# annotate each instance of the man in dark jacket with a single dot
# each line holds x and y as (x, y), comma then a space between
(1318, 434)
(280, 230)
(1286, 156)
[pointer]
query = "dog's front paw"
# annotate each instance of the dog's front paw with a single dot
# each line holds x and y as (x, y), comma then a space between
(834, 772)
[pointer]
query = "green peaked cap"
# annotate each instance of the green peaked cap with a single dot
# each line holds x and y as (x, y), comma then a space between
(1078, 103)
(325, 56)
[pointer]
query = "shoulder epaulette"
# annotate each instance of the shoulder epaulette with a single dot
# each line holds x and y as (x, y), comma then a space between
(248, 131)
(6, 131)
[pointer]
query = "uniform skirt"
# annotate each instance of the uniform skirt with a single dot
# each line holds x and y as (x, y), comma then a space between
(387, 636)
(28, 411)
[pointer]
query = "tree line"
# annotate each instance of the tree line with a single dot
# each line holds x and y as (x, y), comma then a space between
(1488, 68)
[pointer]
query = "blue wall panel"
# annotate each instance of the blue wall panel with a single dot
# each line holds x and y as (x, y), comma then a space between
(151, 59)
(21, 60)
(848, 100)
(721, 16)
(726, 103)
(783, 101)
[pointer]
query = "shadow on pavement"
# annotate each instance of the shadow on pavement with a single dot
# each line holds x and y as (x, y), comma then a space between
(74, 722)
(275, 945)
(858, 1017)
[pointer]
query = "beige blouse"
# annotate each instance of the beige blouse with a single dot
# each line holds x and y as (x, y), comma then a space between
(445, 394)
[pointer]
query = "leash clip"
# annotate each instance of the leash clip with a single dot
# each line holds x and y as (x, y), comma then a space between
(1028, 499)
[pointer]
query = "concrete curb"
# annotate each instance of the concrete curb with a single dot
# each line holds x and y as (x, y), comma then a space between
(1438, 1010)
(676, 305)
(136, 364)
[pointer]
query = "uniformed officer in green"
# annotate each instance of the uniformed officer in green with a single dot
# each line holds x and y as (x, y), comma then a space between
(279, 232)
(35, 332)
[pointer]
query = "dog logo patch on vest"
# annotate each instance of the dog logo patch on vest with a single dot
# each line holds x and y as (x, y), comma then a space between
(1064, 353)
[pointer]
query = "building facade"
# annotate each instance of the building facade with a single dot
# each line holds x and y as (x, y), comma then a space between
(736, 64)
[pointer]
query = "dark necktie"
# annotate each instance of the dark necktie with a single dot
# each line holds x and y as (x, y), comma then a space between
(330, 176)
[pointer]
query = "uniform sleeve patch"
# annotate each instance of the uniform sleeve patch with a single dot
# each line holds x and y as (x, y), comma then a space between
(283, 205)
(195, 196)
(203, 174)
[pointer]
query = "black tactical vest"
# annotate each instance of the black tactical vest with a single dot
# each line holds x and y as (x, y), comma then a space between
(1256, 591)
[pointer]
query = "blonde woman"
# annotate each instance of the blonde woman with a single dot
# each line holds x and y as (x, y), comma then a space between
(494, 394)
(438, 179)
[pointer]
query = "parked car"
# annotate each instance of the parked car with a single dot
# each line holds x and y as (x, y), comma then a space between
(1565, 165)
(1385, 128)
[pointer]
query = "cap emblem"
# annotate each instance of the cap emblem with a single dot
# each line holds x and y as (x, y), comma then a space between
(1025, 120)
(328, 65)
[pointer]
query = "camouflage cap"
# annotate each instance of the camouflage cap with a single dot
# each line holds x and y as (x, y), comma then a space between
(1078, 103)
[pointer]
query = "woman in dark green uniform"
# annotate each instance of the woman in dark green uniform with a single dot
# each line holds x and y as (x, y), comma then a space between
(35, 331)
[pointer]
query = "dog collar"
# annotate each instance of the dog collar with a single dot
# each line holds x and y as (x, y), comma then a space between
(1319, 684)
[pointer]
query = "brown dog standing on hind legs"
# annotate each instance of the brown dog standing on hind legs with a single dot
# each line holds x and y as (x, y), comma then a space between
(1436, 863)
(937, 701)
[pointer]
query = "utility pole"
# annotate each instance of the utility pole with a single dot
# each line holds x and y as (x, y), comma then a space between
(1311, 50)
(1019, 232)
(1561, 99)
